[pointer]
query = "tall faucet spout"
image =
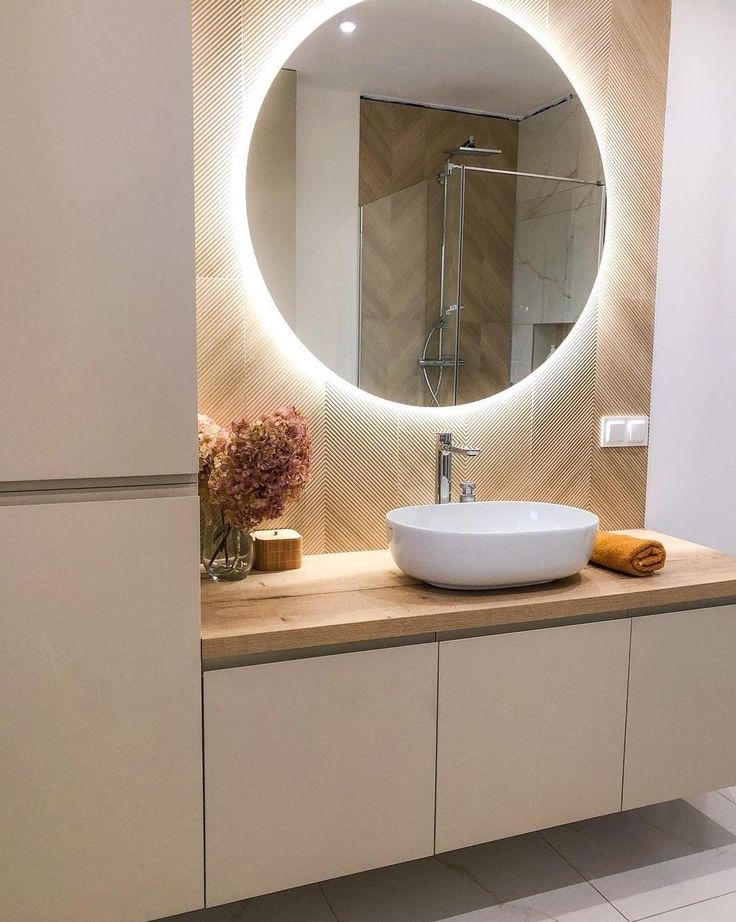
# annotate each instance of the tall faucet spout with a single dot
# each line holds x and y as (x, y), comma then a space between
(445, 452)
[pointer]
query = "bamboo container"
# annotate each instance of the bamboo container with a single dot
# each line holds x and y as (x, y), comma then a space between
(277, 549)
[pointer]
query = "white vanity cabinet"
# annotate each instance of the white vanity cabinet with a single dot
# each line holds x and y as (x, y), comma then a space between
(319, 767)
(327, 765)
(681, 728)
(530, 730)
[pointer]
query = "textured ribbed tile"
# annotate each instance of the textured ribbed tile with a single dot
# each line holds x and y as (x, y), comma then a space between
(619, 488)
(417, 432)
(265, 23)
(580, 36)
(637, 97)
(218, 114)
(637, 72)
(220, 347)
(530, 14)
(502, 429)
(563, 421)
(540, 439)
(363, 470)
(274, 379)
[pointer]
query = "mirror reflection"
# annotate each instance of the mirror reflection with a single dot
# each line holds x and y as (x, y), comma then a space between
(427, 209)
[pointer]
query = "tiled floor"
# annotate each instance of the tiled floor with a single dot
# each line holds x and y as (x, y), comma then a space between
(674, 862)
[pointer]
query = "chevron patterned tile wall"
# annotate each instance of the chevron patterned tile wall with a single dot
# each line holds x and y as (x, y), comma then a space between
(539, 438)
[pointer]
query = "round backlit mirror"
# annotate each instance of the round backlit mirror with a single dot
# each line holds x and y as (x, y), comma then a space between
(425, 198)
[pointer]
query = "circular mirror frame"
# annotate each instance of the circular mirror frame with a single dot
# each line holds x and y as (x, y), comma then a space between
(284, 337)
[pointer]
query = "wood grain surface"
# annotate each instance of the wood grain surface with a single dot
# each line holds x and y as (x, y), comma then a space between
(362, 596)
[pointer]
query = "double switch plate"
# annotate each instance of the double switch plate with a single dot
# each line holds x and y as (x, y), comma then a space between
(624, 431)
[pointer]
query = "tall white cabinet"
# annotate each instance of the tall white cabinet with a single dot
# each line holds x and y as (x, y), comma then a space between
(100, 728)
(100, 772)
(97, 351)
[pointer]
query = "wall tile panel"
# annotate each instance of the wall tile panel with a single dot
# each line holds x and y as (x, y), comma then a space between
(539, 439)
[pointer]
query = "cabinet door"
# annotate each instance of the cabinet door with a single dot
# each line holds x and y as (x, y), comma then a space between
(100, 726)
(317, 768)
(97, 348)
(680, 737)
(530, 730)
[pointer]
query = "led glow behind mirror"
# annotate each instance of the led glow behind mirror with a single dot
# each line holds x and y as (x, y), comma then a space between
(425, 200)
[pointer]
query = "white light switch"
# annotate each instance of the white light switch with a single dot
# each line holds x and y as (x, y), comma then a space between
(624, 431)
(637, 430)
(614, 432)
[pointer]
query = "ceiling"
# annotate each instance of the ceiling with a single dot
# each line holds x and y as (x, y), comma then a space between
(456, 54)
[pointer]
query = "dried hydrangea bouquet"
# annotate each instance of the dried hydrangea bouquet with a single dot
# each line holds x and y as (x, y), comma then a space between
(248, 471)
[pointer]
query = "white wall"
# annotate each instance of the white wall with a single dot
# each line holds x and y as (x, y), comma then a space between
(327, 229)
(272, 192)
(692, 467)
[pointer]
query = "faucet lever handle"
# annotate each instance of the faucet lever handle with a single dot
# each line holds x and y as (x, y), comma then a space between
(444, 440)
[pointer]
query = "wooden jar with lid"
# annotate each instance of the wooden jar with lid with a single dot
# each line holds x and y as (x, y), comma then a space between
(277, 549)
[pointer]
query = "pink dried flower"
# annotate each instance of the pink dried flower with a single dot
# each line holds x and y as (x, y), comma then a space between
(211, 439)
(260, 467)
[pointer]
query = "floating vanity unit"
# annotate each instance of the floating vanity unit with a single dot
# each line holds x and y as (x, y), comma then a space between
(355, 718)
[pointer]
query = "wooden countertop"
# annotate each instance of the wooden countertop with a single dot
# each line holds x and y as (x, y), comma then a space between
(362, 596)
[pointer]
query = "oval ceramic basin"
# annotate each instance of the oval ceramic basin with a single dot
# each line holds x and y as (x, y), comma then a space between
(490, 545)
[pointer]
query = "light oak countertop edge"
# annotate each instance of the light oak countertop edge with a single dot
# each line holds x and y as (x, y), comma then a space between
(362, 597)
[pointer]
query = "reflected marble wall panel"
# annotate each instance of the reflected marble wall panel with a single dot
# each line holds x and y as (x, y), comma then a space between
(558, 225)
(543, 255)
(522, 345)
(557, 142)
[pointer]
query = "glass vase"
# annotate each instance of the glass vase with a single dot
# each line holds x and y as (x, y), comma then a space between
(226, 552)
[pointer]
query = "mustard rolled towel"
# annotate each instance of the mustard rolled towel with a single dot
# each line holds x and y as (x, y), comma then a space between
(627, 554)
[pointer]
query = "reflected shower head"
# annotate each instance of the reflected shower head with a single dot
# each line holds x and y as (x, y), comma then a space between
(468, 149)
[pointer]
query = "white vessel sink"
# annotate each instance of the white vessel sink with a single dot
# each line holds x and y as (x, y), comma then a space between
(490, 545)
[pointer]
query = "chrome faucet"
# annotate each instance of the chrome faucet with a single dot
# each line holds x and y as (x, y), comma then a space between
(445, 452)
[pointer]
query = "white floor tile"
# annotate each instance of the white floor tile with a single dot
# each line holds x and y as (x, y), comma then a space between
(721, 909)
(730, 793)
(656, 859)
(418, 891)
(304, 904)
(529, 881)
(517, 880)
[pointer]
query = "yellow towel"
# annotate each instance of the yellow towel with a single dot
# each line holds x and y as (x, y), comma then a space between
(627, 554)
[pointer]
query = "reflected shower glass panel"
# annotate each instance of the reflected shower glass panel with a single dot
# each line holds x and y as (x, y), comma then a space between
(557, 246)
(394, 279)
(402, 292)
(487, 285)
